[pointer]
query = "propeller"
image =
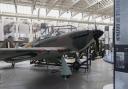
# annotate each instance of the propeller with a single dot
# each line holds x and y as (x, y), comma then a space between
(97, 44)
(96, 35)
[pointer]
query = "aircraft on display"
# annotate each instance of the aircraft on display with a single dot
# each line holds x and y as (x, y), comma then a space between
(53, 49)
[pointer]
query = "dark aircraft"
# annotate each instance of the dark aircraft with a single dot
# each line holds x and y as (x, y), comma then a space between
(53, 49)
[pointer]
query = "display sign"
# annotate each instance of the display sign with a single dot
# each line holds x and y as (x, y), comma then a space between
(121, 33)
(121, 44)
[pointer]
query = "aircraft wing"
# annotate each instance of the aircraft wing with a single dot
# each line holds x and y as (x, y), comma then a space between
(6, 53)
(33, 49)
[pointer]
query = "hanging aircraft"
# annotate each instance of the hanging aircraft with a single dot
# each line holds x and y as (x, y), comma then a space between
(53, 49)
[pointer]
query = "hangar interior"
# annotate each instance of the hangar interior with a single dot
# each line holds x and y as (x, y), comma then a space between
(24, 21)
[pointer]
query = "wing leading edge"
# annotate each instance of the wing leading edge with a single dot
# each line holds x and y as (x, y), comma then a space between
(15, 52)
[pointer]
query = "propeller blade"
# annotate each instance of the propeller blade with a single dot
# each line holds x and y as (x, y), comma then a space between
(96, 36)
(97, 44)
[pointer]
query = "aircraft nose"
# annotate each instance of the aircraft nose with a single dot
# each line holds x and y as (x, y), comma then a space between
(98, 33)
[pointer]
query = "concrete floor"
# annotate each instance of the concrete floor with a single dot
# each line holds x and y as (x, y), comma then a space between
(26, 76)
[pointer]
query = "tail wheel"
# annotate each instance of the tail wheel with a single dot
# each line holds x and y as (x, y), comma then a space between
(76, 66)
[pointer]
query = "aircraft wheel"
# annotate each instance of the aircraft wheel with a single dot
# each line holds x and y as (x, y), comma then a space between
(31, 61)
(76, 66)
(13, 64)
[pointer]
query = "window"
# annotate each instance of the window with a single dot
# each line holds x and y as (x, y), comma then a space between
(53, 13)
(7, 8)
(24, 9)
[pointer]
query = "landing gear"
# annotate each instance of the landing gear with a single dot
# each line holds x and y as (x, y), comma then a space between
(35, 62)
(32, 61)
(76, 66)
(13, 64)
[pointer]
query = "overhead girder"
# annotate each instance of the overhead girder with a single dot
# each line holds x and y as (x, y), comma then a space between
(73, 14)
(50, 7)
(73, 4)
(52, 19)
(61, 12)
(33, 5)
(98, 5)
(93, 6)
(15, 5)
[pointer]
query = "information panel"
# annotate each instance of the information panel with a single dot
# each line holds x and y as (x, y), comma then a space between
(121, 35)
(121, 44)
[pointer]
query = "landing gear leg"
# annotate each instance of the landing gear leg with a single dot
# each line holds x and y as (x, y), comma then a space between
(13, 64)
(76, 64)
(31, 61)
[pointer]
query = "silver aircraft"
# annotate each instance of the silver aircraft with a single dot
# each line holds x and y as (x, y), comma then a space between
(53, 49)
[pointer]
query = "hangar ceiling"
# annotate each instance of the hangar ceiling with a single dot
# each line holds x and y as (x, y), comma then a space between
(87, 8)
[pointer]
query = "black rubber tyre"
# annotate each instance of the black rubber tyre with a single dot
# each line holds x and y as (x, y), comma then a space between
(13, 64)
(76, 66)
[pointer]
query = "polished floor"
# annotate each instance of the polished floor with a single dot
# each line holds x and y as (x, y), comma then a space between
(26, 76)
